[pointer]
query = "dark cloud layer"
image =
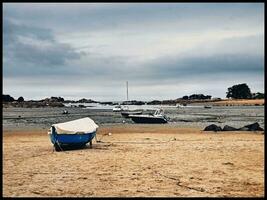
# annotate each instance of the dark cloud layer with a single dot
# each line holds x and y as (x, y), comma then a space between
(28, 49)
(86, 16)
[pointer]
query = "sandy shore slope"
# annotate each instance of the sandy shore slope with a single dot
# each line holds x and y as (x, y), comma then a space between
(136, 161)
(239, 102)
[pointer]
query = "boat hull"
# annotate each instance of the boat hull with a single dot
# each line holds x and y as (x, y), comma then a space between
(127, 113)
(148, 120)
(75, 140)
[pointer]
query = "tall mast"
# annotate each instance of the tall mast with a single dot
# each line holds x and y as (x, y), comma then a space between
(127, 89)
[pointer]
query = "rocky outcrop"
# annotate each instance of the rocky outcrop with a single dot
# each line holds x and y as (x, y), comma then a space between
(213, 127)
(252, 127)
(229, 128)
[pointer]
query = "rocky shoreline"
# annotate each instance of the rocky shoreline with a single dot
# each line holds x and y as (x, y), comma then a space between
(37, 104)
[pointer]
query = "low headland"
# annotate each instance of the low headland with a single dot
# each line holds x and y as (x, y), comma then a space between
(60, 102)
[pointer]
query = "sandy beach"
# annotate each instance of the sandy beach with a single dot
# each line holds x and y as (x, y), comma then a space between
(239, 102)
(145, 160)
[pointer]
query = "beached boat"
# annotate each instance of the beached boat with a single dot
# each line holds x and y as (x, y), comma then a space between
(131, 112)
(157, 118)
(76, 133)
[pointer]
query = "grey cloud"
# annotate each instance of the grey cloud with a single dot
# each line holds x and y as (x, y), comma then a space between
(153, 16)
(22, 56)
(203, 66)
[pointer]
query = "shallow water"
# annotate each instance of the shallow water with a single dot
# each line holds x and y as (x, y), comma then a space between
(191, 116)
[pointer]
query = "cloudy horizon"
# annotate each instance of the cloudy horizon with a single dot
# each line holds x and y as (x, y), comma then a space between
(164, 50)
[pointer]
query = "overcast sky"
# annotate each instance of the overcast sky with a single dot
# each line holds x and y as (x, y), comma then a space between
(164, 50)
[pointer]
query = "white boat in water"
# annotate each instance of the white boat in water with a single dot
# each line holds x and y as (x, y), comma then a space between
(118, 108)
(180, 105)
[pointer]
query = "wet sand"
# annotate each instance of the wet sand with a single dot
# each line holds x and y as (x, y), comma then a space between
(134, 161)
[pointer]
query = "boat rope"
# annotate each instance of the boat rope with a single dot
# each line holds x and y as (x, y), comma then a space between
(135, 142)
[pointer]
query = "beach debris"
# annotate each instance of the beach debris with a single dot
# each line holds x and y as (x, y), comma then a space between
(229, 128)
(228, 163)
(109, 134)
(213, 127)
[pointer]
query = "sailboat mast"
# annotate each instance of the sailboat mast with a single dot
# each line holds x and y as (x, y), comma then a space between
(127, 89)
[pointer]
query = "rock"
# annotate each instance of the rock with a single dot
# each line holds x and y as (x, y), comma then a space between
(229, 128)
(213, 127)
(260, 129)
(243, 129)
(252, 127)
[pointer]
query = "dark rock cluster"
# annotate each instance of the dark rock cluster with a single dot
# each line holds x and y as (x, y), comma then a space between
(250, 127)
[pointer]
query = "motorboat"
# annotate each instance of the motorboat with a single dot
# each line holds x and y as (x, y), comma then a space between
(76, 133)
(131, 112)
(207, 106)
(157, 118)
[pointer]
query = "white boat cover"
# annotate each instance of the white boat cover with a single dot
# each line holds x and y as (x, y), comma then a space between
(79, 126)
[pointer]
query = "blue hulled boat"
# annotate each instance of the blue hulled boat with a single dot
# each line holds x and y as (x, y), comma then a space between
(76, 133)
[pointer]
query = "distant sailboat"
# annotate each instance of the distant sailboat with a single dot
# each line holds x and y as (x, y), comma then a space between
(126, 112)
(119, 107)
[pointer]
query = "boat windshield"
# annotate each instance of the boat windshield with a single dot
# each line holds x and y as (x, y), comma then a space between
(158, 112)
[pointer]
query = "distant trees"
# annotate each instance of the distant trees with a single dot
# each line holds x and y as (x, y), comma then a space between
(57, 99)
(86, 101)
(7, 98)
(199, 96)
(240, 91)
(20, 99)
(185, 97)
(258, 95)
(196, 97)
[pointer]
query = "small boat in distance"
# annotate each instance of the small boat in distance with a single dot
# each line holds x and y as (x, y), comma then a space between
(180, 105)
(207, 106)
(76, 133)
(157, 118)
(117, 108)
(65, 112)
